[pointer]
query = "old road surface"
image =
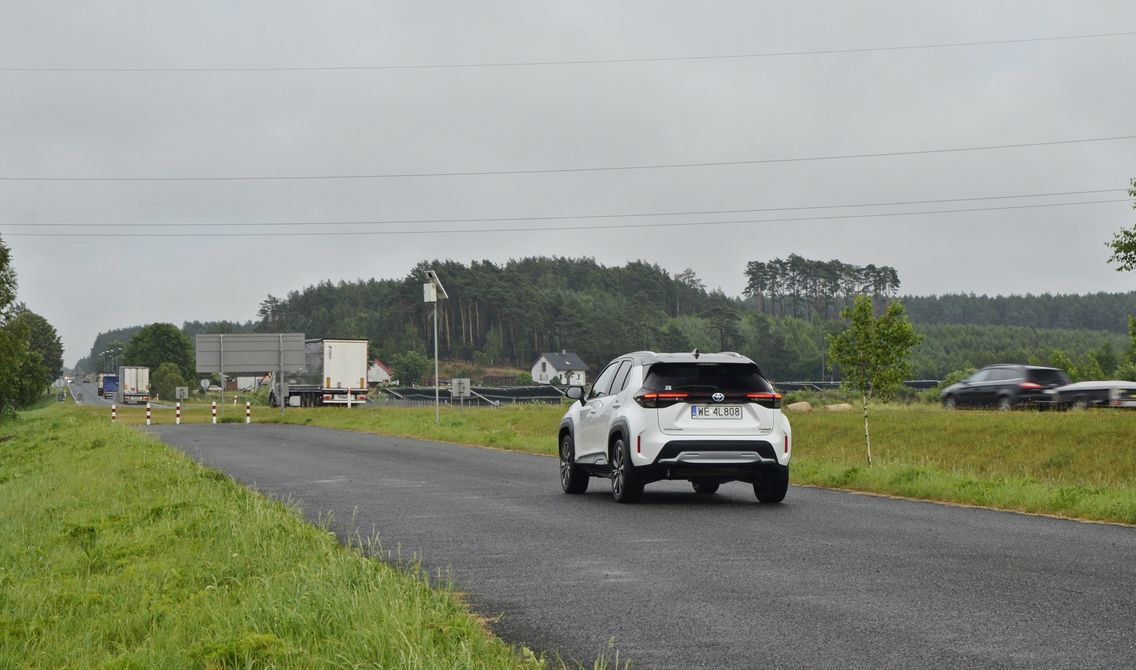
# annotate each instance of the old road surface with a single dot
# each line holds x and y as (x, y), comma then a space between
(824, 580)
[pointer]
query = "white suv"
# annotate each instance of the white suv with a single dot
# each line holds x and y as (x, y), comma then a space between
(705, 418)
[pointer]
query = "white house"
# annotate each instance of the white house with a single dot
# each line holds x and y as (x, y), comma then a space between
(378, 373)
(569, 368)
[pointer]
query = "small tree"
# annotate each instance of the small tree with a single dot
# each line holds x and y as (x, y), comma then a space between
(166, 379)
(409, 367)
(873, 353)
(1124, 243)
(1131, 358)
(160, 343)
(42, 339)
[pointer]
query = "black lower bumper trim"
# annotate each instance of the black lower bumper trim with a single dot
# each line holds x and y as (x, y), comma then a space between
(675, 447)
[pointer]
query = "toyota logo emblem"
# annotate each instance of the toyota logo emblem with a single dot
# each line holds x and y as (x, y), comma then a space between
(718, 397)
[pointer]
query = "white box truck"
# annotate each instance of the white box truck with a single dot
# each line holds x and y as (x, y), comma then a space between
(133, 384)
(335, 374)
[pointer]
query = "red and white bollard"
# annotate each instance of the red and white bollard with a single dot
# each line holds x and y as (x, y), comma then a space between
(147, 414)
(248, 412)
(113, 413)
(214, 412)
(177, 414)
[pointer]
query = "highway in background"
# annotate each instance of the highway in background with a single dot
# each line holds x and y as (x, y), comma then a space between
(825, 580)
(87, 394)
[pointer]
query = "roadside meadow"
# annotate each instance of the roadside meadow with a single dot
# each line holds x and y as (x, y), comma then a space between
(117, 551)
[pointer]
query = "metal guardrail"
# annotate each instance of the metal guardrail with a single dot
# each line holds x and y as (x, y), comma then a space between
(828, 385)
(480, 395)
(493, 396)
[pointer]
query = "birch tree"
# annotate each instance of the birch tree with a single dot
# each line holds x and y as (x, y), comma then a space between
(873, 353)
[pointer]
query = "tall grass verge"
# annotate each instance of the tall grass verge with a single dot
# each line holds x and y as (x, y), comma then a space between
(117, 552)
(1075, 464)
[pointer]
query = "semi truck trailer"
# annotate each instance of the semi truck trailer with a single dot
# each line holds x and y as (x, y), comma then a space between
(335, 373)
(133, 384)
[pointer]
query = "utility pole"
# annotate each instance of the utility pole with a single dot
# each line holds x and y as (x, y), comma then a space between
(432, 291)
(437, 392)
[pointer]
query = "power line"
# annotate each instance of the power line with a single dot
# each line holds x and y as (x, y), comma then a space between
(617, 226)
(603, 168)
(562, 217)
(587, 61)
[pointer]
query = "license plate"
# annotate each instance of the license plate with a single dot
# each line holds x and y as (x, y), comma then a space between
(715, 411)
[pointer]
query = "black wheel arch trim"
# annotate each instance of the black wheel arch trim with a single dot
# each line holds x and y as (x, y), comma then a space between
(566, 425)
(619, 427)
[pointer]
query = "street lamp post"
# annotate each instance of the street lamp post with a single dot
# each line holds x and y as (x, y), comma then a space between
(432, 291)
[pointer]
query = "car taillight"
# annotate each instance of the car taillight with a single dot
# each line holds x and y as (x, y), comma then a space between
(1029, 386)
(770, 400)
(786, 444)
(656, 399)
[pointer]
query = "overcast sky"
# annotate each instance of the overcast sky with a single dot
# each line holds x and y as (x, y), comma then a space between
(195, 114)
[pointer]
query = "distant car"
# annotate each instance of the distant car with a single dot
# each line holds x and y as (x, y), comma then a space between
(705, 418)
(1083, 395)
(1006, 387)
(214, 388)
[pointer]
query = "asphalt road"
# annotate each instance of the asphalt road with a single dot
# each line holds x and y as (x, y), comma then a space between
(824, 580)
(87, 394)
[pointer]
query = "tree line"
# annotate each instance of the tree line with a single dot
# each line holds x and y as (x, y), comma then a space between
(806, 288)
(503, 314)
(507, 314)
(31, 352)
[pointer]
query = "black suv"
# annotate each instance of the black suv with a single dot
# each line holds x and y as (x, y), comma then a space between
(1006, 387)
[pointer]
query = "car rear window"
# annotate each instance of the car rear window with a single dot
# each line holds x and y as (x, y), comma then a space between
(1048, 376)
(706, 377)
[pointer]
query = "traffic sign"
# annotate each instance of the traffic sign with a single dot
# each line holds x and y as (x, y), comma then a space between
(459, 387)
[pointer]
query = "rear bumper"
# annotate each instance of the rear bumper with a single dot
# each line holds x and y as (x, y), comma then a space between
(726, 460)
(1039, 399)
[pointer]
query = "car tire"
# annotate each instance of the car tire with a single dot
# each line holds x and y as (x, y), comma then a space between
(706, 487)
(774, 484)
(1005, 404)
(626, 484)
(573, 479)
(950, 402)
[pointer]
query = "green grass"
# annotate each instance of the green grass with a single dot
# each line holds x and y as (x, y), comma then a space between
(1076, 464)
(116, 552)
(530, 428)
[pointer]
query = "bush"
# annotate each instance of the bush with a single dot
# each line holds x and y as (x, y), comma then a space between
(1127, 372)
(409, 367)
(165, 379)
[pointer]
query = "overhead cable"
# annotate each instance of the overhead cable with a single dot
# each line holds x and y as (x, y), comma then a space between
(557, 217)
(616, 226)
(561, 170)
(569, 62)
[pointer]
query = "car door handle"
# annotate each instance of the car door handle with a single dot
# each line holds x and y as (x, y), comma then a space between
(616, 405)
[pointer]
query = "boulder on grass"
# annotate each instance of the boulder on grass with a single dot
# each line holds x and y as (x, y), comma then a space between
(803, 406)
(839, 407)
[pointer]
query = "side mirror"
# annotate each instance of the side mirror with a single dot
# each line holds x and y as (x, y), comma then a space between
(575, 393)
